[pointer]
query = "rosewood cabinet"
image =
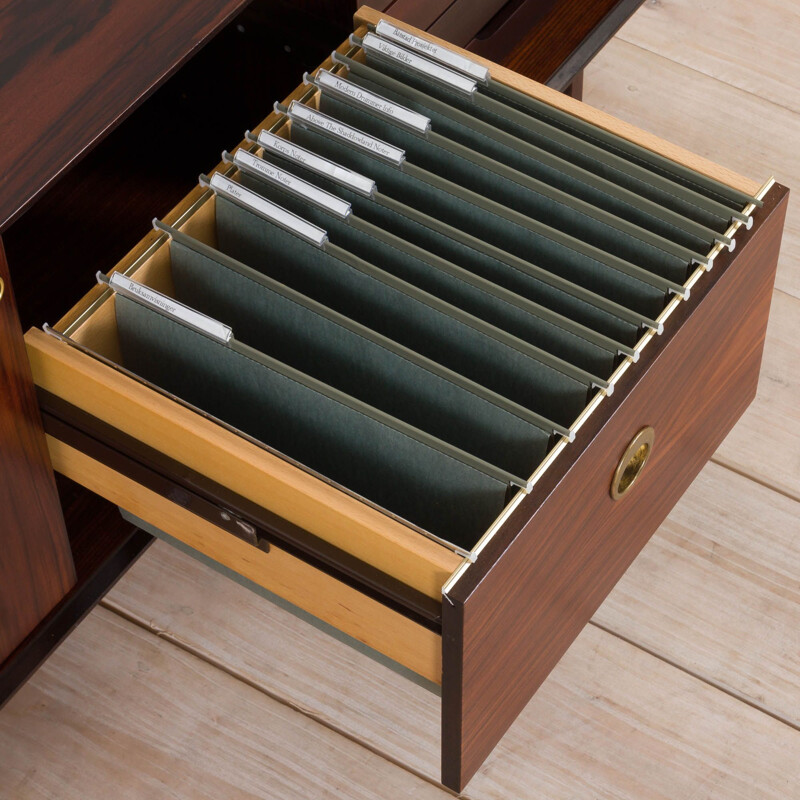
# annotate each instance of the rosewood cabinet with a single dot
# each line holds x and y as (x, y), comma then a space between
(486, 621)
(36, 568)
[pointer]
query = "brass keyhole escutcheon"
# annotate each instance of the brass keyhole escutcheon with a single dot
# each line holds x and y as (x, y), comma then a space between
(632, 463)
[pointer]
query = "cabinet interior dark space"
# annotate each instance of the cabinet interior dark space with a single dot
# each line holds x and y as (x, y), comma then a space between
(104, 205)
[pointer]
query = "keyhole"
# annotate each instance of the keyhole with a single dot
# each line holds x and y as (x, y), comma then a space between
(632, 462)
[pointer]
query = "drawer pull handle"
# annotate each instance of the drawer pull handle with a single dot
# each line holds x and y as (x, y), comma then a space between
(633, 462)
(2, 288)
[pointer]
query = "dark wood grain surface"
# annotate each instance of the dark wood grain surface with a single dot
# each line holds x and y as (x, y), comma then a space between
(539, 581)
(36, 568)
(516, 24)
(104, 205)
(555, 47)
(464, 19)
(105, 546)
(419, 13)
(72, 69)
(550, 41)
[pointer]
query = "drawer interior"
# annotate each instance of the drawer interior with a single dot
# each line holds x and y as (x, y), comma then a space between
(399, 385)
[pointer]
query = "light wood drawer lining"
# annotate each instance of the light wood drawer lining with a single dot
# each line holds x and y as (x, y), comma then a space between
(239, 465)
(353, 613)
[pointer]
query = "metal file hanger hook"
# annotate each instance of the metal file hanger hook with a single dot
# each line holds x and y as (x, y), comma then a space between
(162, 227)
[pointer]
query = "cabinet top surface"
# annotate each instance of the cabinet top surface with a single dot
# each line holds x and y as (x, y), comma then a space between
(70, 70)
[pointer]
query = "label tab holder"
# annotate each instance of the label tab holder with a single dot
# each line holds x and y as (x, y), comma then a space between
(412, 60)
(308, 116)
(387, 108)
(267, 209)
(297, 186)
(435, 51)
(150, 297)
(323, 166)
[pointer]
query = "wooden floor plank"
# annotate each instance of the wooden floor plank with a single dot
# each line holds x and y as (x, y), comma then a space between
(728, 125)
(765, 443)
(701, 113)
(752, 46)
(195, 606)
(716, 590)
(118, 713)
(612, 720)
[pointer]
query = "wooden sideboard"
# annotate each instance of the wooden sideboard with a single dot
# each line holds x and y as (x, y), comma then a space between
(107, 113)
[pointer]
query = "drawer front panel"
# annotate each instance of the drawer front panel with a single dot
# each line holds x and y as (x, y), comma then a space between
(339, 605)
(513, 614)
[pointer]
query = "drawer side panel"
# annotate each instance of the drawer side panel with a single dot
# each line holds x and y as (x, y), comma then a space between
(514, 613)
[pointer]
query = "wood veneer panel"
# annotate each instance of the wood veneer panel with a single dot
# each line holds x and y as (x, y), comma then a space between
(464, 18)
(566, 39)
(419, 13)
(36, 568)
(71, 71)
(516, 611)
(516, 26)
(104, 205)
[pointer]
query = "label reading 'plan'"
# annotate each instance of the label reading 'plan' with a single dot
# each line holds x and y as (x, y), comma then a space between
(405, 116)
(304, 114)
(269, 210)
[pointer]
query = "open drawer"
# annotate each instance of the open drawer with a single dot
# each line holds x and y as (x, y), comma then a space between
(593, 357)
